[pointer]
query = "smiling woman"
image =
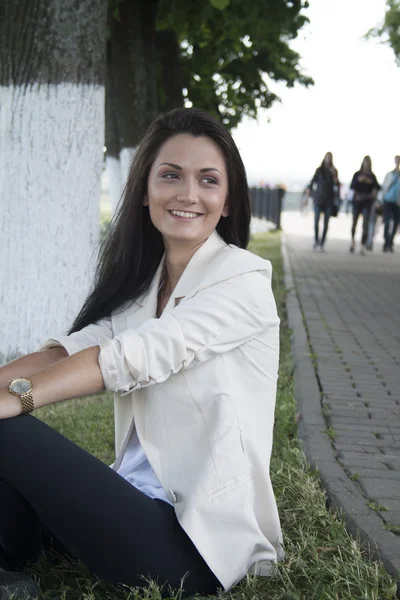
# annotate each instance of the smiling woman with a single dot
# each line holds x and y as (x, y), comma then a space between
(182, 326)
(185, 201)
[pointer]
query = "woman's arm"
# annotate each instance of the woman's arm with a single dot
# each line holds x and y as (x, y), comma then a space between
(335, 176)
(31, 363)
(77, 375)
(313, 180)
(354, 181)
(217, 319)
(376, 183)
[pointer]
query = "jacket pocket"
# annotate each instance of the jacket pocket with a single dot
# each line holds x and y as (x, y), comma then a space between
(229, 485)
(216, 404)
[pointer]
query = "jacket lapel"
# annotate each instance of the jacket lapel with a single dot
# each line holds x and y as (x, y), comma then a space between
(195, 269)
(145, 307)
(199, 273)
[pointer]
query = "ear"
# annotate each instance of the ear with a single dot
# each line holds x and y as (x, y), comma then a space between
(145, 200)
(225, 211)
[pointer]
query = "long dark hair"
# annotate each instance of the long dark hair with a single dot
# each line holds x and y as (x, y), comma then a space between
(325, 172)
(366, 158)
(132, 247)
(323, 165)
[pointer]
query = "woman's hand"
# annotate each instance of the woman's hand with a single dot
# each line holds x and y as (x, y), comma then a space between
(10, 405)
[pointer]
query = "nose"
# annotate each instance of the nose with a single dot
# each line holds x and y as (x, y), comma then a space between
(188, 193)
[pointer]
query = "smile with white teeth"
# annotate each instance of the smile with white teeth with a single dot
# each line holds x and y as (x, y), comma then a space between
(181, 213)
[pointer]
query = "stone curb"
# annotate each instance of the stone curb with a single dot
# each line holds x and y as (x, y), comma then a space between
(342, 493)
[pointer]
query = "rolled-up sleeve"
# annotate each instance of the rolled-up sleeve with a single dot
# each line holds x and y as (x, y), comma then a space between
(215, 320)
(92, 335)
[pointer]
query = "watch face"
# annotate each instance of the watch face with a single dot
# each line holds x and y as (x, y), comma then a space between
(20, 386)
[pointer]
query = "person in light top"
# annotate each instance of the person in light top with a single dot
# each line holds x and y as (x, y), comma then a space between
(182, 326)
(391, 205)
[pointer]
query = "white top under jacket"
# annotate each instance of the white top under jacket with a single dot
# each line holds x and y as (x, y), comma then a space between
(199, 386)
(136, 469)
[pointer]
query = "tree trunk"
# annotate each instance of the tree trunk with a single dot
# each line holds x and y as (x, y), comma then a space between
(170, 76)
(131, 89)
(52, 69)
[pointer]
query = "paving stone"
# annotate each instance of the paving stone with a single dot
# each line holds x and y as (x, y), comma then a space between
(391, 504)
(382, 488)
(388, 488)
(382, 421)
(363, 412)
(373, 461)
(361, 438)
(391, 516)
(371, 427)
(361, 448)
(361, 404)
(369, 472)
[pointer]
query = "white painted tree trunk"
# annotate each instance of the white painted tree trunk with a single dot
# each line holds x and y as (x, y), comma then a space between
(117, 172)
(51, 140)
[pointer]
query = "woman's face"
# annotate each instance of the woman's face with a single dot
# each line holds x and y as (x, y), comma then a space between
(328, 160)
(187, 190)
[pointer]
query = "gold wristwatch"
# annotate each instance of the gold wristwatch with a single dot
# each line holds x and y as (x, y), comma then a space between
(23, 388)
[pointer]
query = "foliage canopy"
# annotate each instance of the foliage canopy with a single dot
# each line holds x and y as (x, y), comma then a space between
(389, 30)
(230, 50)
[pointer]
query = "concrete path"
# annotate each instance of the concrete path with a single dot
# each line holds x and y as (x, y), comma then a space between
(344, 311)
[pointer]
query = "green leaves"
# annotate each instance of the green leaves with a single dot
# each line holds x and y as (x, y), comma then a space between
(231, 51)
(389, 30)
(220, 4)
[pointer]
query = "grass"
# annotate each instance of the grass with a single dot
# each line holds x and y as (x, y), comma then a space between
(322, 561)
(331, 433)
(376, 506)
(393, 528)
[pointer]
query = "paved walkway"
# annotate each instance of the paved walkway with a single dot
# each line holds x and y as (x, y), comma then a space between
(344, 311)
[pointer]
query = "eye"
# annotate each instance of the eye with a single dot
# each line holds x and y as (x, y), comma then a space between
(210, 180)
(169, 176)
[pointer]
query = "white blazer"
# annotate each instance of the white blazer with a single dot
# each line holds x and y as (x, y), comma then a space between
(199, 385)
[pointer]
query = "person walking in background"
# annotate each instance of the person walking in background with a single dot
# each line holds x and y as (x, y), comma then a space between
(365, 186)
(322, 189)
(391, 205)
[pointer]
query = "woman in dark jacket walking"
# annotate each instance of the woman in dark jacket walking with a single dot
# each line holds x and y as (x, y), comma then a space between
(322, 189)
(365, 186)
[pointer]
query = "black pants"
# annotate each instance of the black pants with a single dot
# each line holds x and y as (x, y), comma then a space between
(46, 481)
(361, 207)
(391, 215)
(327, 210)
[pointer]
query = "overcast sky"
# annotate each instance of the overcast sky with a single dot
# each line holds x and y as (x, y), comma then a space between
(352, 110)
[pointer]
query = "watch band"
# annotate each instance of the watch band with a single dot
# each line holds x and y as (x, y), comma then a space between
(27, 402)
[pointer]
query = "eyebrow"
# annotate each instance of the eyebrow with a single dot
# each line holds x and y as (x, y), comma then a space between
(206, 170)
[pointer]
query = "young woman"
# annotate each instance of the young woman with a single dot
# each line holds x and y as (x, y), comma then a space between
(182, 326)
(365, 186)
(322, 188)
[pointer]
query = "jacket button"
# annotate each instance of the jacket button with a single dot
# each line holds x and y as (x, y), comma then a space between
(171, 496)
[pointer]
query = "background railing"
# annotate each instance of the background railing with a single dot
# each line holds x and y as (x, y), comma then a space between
(266, 203)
